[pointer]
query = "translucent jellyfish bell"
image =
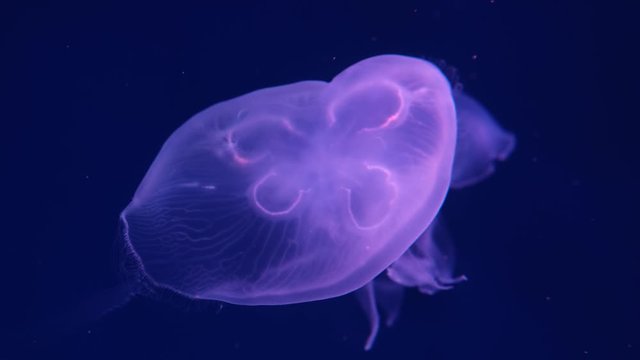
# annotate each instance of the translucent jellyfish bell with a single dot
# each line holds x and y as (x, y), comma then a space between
(299, 192)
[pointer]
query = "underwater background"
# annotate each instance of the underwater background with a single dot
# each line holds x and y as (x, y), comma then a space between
(90, 92)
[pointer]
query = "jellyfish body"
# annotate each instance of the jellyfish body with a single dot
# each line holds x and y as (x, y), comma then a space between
(300, 192)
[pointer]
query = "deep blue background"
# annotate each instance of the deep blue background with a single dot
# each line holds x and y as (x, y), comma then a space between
(90, 92)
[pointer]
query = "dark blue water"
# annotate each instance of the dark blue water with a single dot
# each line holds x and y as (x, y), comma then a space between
(550, 243)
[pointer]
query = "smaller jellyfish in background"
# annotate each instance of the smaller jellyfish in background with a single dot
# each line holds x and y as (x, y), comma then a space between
(480, 142)
(429, 263)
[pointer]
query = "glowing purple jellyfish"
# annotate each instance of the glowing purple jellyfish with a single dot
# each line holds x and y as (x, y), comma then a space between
(309, 191)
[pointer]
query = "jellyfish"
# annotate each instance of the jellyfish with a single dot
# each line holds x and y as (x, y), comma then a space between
(300, 192)
(313, 190)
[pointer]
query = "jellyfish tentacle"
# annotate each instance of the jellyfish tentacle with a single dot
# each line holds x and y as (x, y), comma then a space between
(428, 264)
(389, 296)
(367, 297)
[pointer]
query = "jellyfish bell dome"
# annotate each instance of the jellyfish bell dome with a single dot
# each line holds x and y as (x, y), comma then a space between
(299, 192)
